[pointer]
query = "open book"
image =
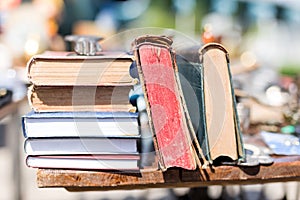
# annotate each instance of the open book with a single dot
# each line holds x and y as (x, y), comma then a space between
(178, 139)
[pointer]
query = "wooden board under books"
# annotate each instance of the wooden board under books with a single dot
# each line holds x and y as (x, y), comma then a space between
(79, 98)
(66, 68)
(285, 168)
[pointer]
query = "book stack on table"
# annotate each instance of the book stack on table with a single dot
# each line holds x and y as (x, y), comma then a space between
(81, 116)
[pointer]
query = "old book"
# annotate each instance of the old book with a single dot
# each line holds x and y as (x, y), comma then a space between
(80, 124)
(191, 81)
(80, 98)
(94, 162)
(165, 104)
(81, 145)
(220, 114)
(193, 119)
(67, 68)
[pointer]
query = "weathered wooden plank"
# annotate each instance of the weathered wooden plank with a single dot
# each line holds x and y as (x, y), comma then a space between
(285, 168)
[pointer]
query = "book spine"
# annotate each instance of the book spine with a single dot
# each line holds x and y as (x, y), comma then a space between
(165, 110)
(220, 57)
(141, 79)
(80, 146)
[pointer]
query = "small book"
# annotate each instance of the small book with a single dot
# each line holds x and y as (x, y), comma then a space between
(71, 146)
(80, 124)
(91, 162)
(80, 98)
(55, 68)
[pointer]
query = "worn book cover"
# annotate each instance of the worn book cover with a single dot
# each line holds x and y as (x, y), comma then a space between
(66, 68)
(191, 106)
(80, 98)
(220, 114)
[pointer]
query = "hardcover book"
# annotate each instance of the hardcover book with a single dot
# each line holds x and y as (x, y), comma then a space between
(94, 162)
(80, 124)
(220, 114)
(83, 145)
(80, 98)
(69, 69)
(165, 105)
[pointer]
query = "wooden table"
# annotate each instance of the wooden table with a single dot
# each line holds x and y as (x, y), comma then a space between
(285, 168)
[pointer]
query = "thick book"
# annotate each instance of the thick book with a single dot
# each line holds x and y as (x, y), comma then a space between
(80, 98)
(67, 68)
(219, 106)
(90, 162)
(169, 124)
(82, 145)
(80, 124)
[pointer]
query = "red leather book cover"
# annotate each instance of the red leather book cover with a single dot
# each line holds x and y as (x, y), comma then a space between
(167, 118)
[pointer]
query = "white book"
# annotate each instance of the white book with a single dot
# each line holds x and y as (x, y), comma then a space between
(103, 162)
(71, 146)
(80, 124)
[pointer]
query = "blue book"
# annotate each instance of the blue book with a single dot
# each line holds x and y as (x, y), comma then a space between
(80, 124)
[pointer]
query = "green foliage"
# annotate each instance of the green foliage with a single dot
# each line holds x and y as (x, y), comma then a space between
(291, 69)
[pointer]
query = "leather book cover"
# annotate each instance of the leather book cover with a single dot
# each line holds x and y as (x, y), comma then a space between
(165, 106)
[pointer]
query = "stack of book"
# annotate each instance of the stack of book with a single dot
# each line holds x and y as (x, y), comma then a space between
(81, 115)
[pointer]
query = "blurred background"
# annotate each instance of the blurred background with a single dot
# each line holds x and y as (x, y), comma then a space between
(262, 38)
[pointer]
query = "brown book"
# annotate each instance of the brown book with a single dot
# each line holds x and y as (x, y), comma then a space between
(80, 98)
(222, 125)
(67, 68)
